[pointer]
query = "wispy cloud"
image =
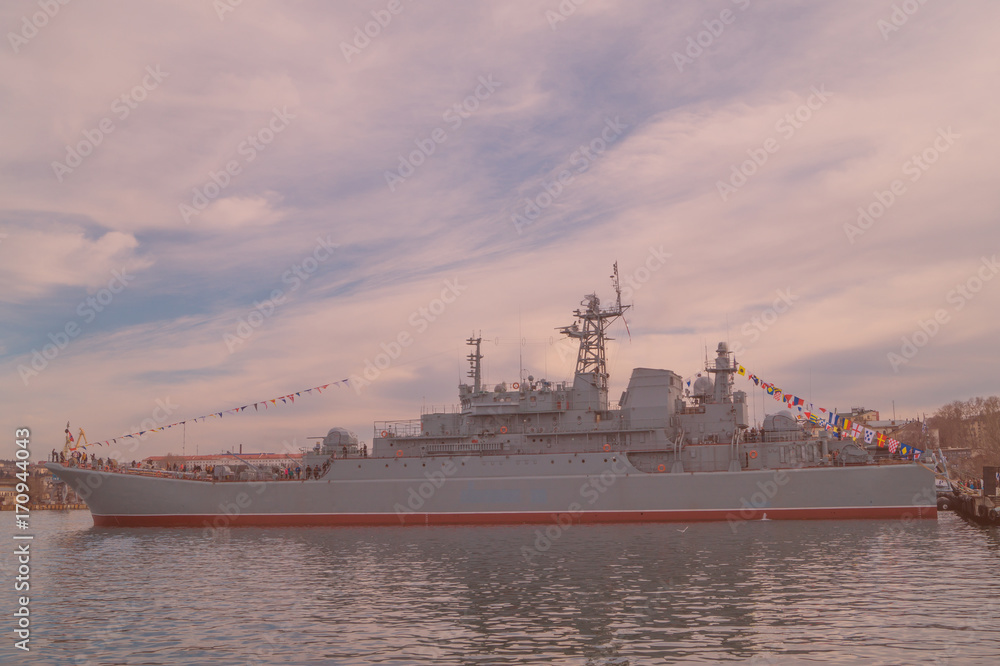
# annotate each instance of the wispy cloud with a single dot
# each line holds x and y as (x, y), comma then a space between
(207, 129)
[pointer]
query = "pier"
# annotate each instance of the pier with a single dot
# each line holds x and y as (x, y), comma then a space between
(46, 507)
(983, 506)
(979, 509)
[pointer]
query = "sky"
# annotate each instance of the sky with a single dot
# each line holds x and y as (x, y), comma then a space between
(209, 204)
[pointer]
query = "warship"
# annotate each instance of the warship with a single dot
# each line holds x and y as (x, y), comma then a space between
(538, 451)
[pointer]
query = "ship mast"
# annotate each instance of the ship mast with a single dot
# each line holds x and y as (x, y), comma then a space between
(475, 362)
(592, 356)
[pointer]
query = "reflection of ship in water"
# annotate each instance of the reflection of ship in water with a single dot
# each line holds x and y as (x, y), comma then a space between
(542, 451)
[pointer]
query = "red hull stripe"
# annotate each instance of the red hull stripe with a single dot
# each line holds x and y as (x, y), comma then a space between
(510, 518)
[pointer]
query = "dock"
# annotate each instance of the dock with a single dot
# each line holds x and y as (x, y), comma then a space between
(46, 507)
(982, 506)
(984, 510)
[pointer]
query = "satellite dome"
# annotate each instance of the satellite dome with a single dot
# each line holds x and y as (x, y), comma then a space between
(703, 386)
(780, 421)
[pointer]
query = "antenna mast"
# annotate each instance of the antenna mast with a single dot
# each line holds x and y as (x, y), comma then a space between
(475, 362)
(592, 357)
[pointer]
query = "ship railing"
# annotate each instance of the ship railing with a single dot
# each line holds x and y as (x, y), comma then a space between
(407, 428)
(479, 447)
(201, 475)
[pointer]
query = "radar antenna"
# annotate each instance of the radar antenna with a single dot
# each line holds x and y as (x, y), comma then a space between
(618, 294)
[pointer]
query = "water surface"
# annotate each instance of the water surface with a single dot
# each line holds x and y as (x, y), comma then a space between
(759, 592)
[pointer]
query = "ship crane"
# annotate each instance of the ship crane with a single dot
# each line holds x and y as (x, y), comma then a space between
(71, 444)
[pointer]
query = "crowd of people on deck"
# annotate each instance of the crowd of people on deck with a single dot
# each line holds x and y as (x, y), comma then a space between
(89, 461)
(973, 484)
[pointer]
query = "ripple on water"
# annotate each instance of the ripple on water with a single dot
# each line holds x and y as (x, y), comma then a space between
(887, 592)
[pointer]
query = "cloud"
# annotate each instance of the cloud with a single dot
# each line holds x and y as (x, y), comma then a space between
(745, 113)
(57, 254)
(236, 212)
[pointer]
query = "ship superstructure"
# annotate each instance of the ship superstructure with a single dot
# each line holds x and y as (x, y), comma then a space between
(659, 425)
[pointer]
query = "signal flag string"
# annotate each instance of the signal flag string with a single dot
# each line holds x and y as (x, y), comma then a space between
(234, 410)
(825, 418)
(831, 420)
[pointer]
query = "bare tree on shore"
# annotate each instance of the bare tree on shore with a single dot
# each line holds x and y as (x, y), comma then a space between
(972, 424)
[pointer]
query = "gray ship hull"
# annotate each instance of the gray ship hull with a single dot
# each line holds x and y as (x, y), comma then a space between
(530, 488)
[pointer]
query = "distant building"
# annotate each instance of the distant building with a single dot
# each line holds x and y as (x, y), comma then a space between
(980, 429)
(7, 491)
(888, 426)
(957, 454)
(860, 414)
(42, 488)
(262, 460)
